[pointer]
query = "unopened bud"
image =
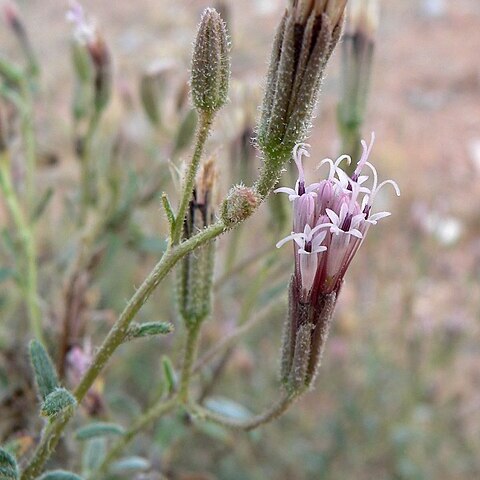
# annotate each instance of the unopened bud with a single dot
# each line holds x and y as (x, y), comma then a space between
(210, 64)
(86, 34)
(305, 336)
(14, 21)
(196, 271)
(357, 50)
(305, 39)
(240, 203)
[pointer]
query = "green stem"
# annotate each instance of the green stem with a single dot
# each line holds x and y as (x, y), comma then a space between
(204, 125)
(115, 338)
(145, 420)
(277, 409)
(191, 346)
(116, 335)
(87, 174)
(29, 141)
(26, 236)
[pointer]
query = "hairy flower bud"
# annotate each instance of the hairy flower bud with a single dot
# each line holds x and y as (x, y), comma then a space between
(210, 74)
(240, 203)
(196, 271)
(303, 44)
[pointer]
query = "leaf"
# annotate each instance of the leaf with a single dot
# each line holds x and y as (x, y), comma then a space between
(45, 374)
(228, 408)
(130, 464)
(149, 329)
(8, 466)
(57, 402)
(98, 429)
(60, 475)
(93, 454)
(169, 373)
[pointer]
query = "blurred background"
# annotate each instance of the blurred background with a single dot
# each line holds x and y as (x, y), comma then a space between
(398, 394)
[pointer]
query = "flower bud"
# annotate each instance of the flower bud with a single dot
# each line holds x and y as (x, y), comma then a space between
(210, 64)
(305, 39)
(240, 203)
(357, 51)
(87, 36)
(196, 271)
(15, 23)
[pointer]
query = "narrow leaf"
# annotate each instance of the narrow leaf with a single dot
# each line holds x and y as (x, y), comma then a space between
(59, 475)
(98, 429)
(45, 375)
(169, 373)
(130, 464)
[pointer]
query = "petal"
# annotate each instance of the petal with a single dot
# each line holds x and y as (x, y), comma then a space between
(332, 216)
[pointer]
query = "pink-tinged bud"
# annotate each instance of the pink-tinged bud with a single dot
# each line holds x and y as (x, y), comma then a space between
(86, 35)
(331, 220)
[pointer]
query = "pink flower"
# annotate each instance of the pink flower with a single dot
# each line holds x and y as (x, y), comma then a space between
(330, 221)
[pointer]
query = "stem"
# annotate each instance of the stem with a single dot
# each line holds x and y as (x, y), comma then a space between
(147, 419)
(28, 134)
(114, 339)
(277, 409)
(190, 355)
(173, 254)
(231, 339)
(87, 176)
(26, 236)
(205, 123)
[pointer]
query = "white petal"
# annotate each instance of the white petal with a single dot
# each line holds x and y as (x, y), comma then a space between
(332, 216)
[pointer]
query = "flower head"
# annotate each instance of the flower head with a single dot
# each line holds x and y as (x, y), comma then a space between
(330, 221)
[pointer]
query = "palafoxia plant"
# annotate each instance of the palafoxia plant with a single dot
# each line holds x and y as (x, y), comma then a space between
(330, 221)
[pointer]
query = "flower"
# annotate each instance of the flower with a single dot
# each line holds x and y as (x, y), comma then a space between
(330, 221)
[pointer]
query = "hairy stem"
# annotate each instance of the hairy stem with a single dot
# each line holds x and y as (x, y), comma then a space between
(204, 126)
(114, 339)
(191, 346)
(29, 274)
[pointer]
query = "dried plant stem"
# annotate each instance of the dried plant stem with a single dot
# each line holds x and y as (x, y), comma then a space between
(205, 123)
(145, 420)
(26, 236)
